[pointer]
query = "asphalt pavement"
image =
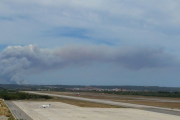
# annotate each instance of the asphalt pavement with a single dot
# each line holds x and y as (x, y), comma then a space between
(136, 106)
(17, 112)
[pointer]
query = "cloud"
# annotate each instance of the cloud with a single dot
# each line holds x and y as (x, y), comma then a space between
(18, 61)
(119, 22)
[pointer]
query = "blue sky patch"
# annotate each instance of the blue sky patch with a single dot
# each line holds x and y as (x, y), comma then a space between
(6, 18)
(69, 32)
(2, 47)
(80, 33)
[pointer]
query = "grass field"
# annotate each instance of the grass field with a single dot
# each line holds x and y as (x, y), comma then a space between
(154, 103)
(77, 103)
(4, 111)
(104, 95)
(126, 100)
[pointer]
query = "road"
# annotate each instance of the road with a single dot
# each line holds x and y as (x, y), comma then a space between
(16, 111)
(144, 107)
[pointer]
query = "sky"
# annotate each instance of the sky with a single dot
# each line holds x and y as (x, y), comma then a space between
(97, 42)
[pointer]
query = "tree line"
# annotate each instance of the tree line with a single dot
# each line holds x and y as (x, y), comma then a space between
(16, 95)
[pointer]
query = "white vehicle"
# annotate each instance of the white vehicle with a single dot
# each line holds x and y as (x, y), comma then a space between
(45, 106)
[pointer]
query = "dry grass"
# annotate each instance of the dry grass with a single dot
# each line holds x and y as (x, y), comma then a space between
(84, 95)
(78, 103)
(133, 100)
(106, 96)
(157, 104)
(4, 111)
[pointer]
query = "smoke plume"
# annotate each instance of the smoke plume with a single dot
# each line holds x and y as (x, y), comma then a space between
(18, 61)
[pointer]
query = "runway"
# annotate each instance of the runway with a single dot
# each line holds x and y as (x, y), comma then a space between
(62, 111)
(129, 105)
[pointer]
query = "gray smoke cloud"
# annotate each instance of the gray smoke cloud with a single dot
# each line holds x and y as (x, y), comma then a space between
(18, 61)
